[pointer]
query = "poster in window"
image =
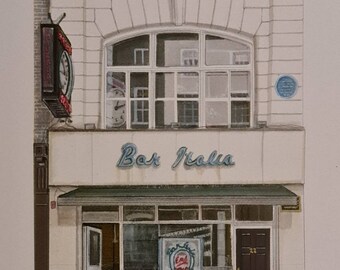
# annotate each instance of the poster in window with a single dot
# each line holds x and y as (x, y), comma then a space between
(181, 254)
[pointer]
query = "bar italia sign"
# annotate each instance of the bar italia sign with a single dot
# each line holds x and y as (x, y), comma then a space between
(131, 158)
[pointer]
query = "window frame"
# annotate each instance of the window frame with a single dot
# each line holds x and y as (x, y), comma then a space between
(235, 224)
(202, 69)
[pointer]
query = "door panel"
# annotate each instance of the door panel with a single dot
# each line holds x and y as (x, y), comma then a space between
(92, 248)
(253, 249)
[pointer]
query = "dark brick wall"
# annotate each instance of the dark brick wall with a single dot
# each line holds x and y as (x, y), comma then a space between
(42, 116)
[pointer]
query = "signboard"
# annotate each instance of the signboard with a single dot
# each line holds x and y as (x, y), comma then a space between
(56, 70)
(181, 253)
(286, 86)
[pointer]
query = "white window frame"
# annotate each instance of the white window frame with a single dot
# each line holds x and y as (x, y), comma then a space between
(202, 69)
(116, 217)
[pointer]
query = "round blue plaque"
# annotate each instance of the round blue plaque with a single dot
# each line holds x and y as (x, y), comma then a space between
(286, 86)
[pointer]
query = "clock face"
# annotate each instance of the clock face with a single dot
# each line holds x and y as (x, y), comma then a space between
(116, 115)
(65, 75)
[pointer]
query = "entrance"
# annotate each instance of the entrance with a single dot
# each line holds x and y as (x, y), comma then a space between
(253, 249)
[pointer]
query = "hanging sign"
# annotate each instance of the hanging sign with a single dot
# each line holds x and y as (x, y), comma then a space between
(181, 253)
(56, 70)
(286, 86)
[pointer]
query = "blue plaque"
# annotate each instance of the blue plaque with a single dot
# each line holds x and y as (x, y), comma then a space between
(286, 86)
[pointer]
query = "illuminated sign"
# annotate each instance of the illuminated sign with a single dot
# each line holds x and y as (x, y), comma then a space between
(130, 158)
(56, 70)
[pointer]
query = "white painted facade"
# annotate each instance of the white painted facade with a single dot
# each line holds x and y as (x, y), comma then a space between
(320, 115)
(276, 28)
(273, 155)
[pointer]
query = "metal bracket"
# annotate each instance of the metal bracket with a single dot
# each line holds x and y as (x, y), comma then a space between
(59, 19)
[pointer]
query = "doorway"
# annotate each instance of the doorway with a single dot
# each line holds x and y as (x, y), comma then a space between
(253, 249)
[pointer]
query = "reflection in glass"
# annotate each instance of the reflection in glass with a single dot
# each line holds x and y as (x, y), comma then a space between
(115, 114)
(115, 85)
(129, 52)
(240, 113)
(177, 212)
(216, 238)
(187, 85)
(213, 212)
(221, 51)
(94, 248)
(139, 94)
(216, 113)
(240, 84)
(177, 49)
(165, 112)
(140, 246)
(187, 113)
(216, 85)
(139, 213)
(254, 212)
(165, 85)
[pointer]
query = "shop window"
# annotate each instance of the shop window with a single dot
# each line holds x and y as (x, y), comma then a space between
(178, 212)
(186, 80)
(254, 212)
(132, 241)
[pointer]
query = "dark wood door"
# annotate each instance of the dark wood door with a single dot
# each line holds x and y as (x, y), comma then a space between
(253, 249)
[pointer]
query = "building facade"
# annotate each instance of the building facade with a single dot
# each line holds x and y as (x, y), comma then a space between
(185, 145)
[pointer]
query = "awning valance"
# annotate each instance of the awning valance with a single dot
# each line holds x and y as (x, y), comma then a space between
(183, 194)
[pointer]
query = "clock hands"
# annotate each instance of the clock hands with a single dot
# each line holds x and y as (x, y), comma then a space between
(118, 106)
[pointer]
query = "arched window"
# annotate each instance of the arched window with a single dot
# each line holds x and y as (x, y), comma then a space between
(185, 79)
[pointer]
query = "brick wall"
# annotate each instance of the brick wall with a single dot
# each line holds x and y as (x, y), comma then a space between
(42, 116)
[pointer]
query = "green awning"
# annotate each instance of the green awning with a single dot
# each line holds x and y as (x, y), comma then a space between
(183, 194)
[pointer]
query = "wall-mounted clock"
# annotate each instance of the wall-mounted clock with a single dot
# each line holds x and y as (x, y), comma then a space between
(118, 110)
(66, 74)
(56, 70)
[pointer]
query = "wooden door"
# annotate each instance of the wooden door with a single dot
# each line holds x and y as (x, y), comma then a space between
(253, 249)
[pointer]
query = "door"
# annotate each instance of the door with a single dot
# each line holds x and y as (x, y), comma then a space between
(92, 248)
(253, 249)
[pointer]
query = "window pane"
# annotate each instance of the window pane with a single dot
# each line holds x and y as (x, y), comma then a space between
(140, 246)
(221, 51)
(115, 85)
(139, 213)
(240, 113)
(178, 212)
(94, 248)
(254, 212)
(216, 85)
(115, 114)
(140, 114)
(216, 238)
(165, 113)
(187, 85)
(187, 113)
(240, 84)
(216, 113)
(165, 85)
(177, 49)
(216, 212)
(129, 52)
(139, 83)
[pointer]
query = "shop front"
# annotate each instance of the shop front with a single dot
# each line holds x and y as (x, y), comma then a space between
(176, 199)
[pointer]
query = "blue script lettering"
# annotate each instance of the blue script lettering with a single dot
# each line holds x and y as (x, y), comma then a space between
(128, 159)
(213, 160)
